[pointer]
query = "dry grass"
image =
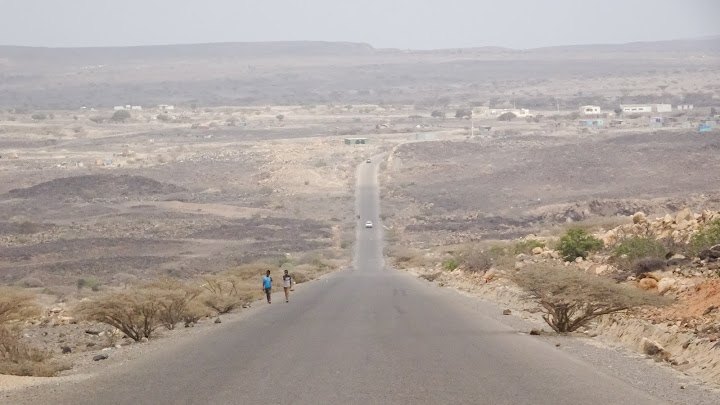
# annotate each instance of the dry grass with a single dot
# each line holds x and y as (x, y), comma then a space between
(19, 358)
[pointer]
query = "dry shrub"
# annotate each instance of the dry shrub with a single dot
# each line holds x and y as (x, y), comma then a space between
(137, 313)
(16, 305)
(175, 296)
(572, 298)
(299, 277)
(225, 293)
(431, 276)
(476, 259)
(407, 257)
(251, 271)
(222, 304)
(18, 358)
(194, 312)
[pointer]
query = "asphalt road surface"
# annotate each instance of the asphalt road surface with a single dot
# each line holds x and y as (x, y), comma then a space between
(367, 335)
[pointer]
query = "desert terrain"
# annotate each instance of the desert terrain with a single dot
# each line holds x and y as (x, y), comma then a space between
(237, 162)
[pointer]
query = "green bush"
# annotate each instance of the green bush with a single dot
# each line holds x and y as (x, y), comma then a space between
(89, 282)
(578, 243)
(508, 116)
(120, 116)
(706, 238)
(450, 264)
(638, 248)
(527, 246)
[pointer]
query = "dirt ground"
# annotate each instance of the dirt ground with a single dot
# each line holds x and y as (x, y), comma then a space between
(507, 186)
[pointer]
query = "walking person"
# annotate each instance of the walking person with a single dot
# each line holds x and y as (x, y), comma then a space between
(287, 283)
(267, 286)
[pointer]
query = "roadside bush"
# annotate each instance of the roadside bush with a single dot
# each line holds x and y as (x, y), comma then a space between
(571, 298)
(450, 264)
(299, 277)
(18, 358)
(16, 305)
(578, 243)
(224, 294)
(438, 114)
(476, 259)
(175, 299)
(39, 116)
(526, 246)
(706, 238)
(194, 312)
(136, 313)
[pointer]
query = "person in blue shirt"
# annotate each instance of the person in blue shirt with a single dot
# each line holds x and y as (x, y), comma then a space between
(267, 285)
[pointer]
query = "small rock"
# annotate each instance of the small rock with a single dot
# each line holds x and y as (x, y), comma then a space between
(218, 320)
(507, 312)
(537, 250)
(557, 344)
(666, 284)
(639, 217)
(654, 349)
(100, 357)
(118, 346)
(66, 349)
(648, 284)
(535, 332)
(92, 332)
(143, 340)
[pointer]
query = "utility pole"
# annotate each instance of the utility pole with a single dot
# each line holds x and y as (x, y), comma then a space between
(472, 122)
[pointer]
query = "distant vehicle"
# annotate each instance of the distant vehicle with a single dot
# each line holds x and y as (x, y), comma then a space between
(368, 224)
(368, 161)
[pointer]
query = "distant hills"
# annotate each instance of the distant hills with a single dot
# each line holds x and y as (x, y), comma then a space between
(306, 72)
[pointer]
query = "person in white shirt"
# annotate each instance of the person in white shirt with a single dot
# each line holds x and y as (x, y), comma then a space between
(287, 283)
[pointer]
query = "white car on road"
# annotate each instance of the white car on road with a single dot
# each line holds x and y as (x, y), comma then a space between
(368, 224)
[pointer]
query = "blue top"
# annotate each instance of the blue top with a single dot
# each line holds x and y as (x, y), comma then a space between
(267, 282)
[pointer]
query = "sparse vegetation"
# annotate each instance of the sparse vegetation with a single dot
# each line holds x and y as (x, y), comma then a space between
(526, 246)
(706, 238)
(450, 264)
(571, 298)
(88, 282)
(120, 116)
(578, 243)
(508, 116)
(463, 113)
(630, 250)
(477, 259)
(136, 313)
(438, 114)
(16, 356)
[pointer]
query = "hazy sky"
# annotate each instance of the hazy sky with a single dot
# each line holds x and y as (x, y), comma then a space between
(416, 24)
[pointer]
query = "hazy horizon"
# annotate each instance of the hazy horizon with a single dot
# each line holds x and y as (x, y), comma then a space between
(404, 24)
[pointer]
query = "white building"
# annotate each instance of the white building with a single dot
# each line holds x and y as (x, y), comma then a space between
(645, 108)
(590, 110)
(519, 112)
(118, 107)
(166, 107)
(685, 107)
(136, 107)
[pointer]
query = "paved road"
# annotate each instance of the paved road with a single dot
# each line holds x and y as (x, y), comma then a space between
(369, 335)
